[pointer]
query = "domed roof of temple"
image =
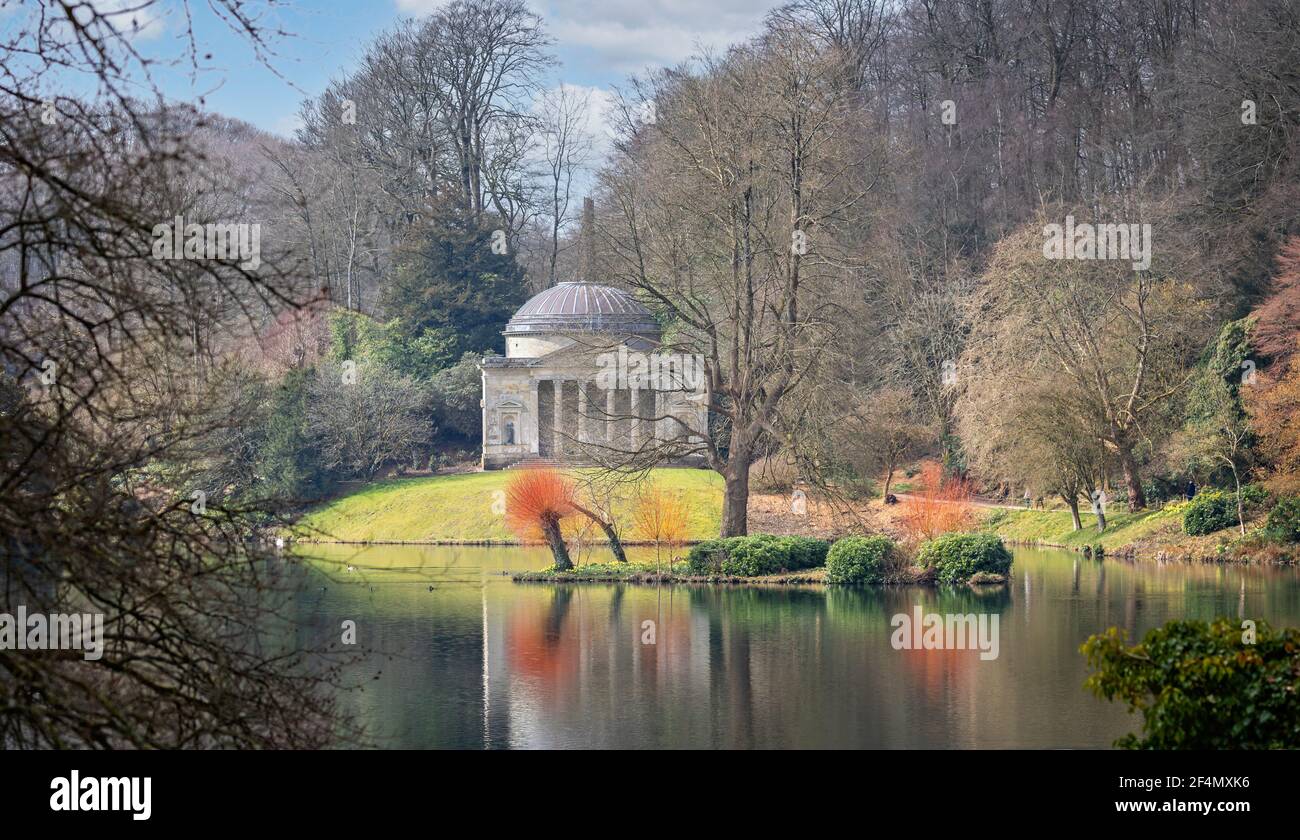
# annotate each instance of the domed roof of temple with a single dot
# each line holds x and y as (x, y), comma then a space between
(572, 306)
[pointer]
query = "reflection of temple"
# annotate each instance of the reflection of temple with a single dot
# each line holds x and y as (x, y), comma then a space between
(486, 662)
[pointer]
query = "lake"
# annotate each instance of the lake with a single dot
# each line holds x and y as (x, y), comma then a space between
(456, 655)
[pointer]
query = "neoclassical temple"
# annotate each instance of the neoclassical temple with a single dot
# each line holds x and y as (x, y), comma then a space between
(583, 381)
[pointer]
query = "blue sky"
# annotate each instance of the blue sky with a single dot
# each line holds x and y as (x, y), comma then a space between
(598, 42)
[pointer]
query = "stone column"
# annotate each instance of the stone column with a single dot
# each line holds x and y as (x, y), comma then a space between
(636, 423)
(609, 416)
(582, 411)
(647, 421)
(655, 424)
(483, 412)
(657, 428)
(533, 426)
(557, 386)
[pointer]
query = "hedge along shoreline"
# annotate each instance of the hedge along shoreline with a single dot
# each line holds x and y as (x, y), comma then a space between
(978, 558)
(755, 555)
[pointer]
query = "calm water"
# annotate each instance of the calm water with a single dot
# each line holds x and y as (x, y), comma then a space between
(478, 661)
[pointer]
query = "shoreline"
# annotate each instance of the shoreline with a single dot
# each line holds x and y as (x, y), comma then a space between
(1128, 552)
(1135, 553)
(486, 543)
(400, 513)
(815, 577)
(652, 579)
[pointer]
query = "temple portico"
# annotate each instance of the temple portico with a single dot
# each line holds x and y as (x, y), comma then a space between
(553, 397)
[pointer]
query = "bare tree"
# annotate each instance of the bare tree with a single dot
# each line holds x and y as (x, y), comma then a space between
(1022, 428)
(1219, 434)
(1123, 338)
(566, 149)
(483, 58)
(729, 214)
(366, 418)
(882, 434)
(437, 120)
(101, 400)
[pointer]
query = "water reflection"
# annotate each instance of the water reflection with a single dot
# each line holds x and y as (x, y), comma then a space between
(466, 658)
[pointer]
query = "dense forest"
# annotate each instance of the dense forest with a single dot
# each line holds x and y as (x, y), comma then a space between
(918, 148)
(915, 150)
(846, 217)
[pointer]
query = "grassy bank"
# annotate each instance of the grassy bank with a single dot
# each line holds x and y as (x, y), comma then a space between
(1152, 534)
(1055, 527)
(467, 508)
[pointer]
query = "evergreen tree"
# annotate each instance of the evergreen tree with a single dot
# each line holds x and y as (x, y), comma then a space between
(453, 293)
(288, 462)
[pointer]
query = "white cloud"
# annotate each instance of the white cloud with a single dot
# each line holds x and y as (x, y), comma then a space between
(594, 129)
(629, 35)
(287, 126)
(420, 7)
(135, 20)
(632, 34)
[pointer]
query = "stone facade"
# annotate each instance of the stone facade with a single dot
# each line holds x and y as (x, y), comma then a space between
(557, 394)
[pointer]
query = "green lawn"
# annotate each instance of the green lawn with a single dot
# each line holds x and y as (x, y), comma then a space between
(465, 508)
(1055, 526)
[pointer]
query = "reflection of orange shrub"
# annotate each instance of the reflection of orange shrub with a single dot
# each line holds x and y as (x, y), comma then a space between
(540, 643)
(941, 506)
(535, 498)
(939, 671)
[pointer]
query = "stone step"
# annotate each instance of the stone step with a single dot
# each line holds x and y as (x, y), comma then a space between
(537, 463)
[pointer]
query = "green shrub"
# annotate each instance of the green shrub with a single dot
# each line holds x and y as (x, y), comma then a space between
(804, 552)
(1253, 495)
(860, 560)
(705, 558)
(756, 554)
(1284, 520)
(1210, 511)
(955, 557)
(1202, 686)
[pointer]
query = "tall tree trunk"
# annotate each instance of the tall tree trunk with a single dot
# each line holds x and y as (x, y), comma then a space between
(551, 528)
(615, 544)
(1241, 511)
(889, 480)
(735, 498)
(1137, 500)
(1073, 502)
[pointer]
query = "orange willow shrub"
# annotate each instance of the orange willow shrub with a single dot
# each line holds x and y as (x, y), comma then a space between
(537, 501)
(941, 506)
(660, 518)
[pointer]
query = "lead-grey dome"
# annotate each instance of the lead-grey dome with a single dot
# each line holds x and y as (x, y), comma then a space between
(582, 307)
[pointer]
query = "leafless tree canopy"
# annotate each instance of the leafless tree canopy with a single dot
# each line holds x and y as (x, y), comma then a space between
(113, 382)
(915, 144)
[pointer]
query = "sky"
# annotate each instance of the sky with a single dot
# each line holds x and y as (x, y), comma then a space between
(599, 43)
